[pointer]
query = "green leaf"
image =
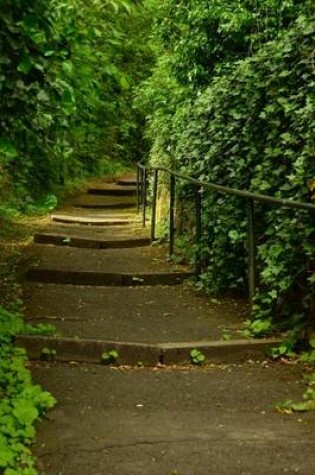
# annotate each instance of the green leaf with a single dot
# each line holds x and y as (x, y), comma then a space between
(124, 83)
(25, 65)
(25, 412)
(6, 456)
(7, 148)
(303, 406)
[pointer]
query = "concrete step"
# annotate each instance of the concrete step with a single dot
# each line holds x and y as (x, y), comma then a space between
(135, 314)
(113, 190)
(163, 421)
(68, 276)
(90, 243)
(99, 232)
(100, 205)
(103, 202)
(90, 351)
(91, 220)
(127, 182)
(136, 266)
(134, 261)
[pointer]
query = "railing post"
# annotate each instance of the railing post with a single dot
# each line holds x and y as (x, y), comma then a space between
(198, 209)
(251, 251)
(144, 197)
(154, 203)
(138, 189)
(172, 215)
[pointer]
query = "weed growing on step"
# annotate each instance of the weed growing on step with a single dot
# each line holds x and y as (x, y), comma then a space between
(21, 401)
(110, 357)
(48, 354)
(196, 357)
(66, 241)
(308, 403)
(287, 349)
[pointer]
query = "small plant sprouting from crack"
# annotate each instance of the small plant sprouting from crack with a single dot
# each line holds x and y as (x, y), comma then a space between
(110, 357)
(48, 354)
(196, 357)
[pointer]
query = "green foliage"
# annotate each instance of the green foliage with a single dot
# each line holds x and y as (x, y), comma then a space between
(110, 357)
(196, 357)
(309, 356)
(48, 354)
(21, 402)
(307, 405)
(67, 73)
(231, 101)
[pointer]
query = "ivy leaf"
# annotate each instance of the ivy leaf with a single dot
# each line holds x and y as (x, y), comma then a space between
(25, 412)
(303, 406)
(25, 65)
(124, 83)
(43, 96)
(7, 148)
(7, 456)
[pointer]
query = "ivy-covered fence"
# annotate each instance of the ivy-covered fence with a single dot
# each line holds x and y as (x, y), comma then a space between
(231, 101)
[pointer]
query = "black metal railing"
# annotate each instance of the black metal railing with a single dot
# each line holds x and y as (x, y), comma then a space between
(142, 190)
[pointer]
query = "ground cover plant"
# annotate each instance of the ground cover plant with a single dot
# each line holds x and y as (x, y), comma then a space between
(21, 401)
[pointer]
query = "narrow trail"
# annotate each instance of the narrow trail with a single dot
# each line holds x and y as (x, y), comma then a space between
(98, 279)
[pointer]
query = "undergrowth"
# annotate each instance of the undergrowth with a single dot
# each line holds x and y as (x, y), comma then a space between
(294, 348)
(22, 402)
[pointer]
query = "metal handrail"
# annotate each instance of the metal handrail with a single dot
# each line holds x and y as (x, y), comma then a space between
(142, 174)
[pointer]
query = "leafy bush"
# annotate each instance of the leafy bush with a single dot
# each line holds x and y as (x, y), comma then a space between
(67, 72)
(242, 116)
(21, 402)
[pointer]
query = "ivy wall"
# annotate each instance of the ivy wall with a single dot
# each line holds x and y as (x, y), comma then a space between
(231, 100)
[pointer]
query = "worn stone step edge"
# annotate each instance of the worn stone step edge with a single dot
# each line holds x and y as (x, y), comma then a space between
(91, 221)
(127, 182)
(90, 351)
(117, 205)
(56, 276)
(90, 243)
(127, 191)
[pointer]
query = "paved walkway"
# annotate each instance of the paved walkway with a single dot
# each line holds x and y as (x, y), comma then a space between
(94, 275)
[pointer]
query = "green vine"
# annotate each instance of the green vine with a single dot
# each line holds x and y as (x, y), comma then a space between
(231, 101)
(21, 401)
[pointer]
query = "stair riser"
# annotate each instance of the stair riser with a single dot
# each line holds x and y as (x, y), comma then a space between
(105, 279)
(90, 351)
(105, 205)
(90, 243)
(91, 223)
(127, 183)
(99, 192)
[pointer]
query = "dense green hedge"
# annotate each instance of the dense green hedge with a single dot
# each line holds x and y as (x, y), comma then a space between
(67, 71)
(237, 108)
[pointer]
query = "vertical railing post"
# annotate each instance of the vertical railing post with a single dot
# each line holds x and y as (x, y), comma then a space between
(138, 189)
(172, 215)
(251, 249)
(154, 203)
(144, 197)
(198, 209)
